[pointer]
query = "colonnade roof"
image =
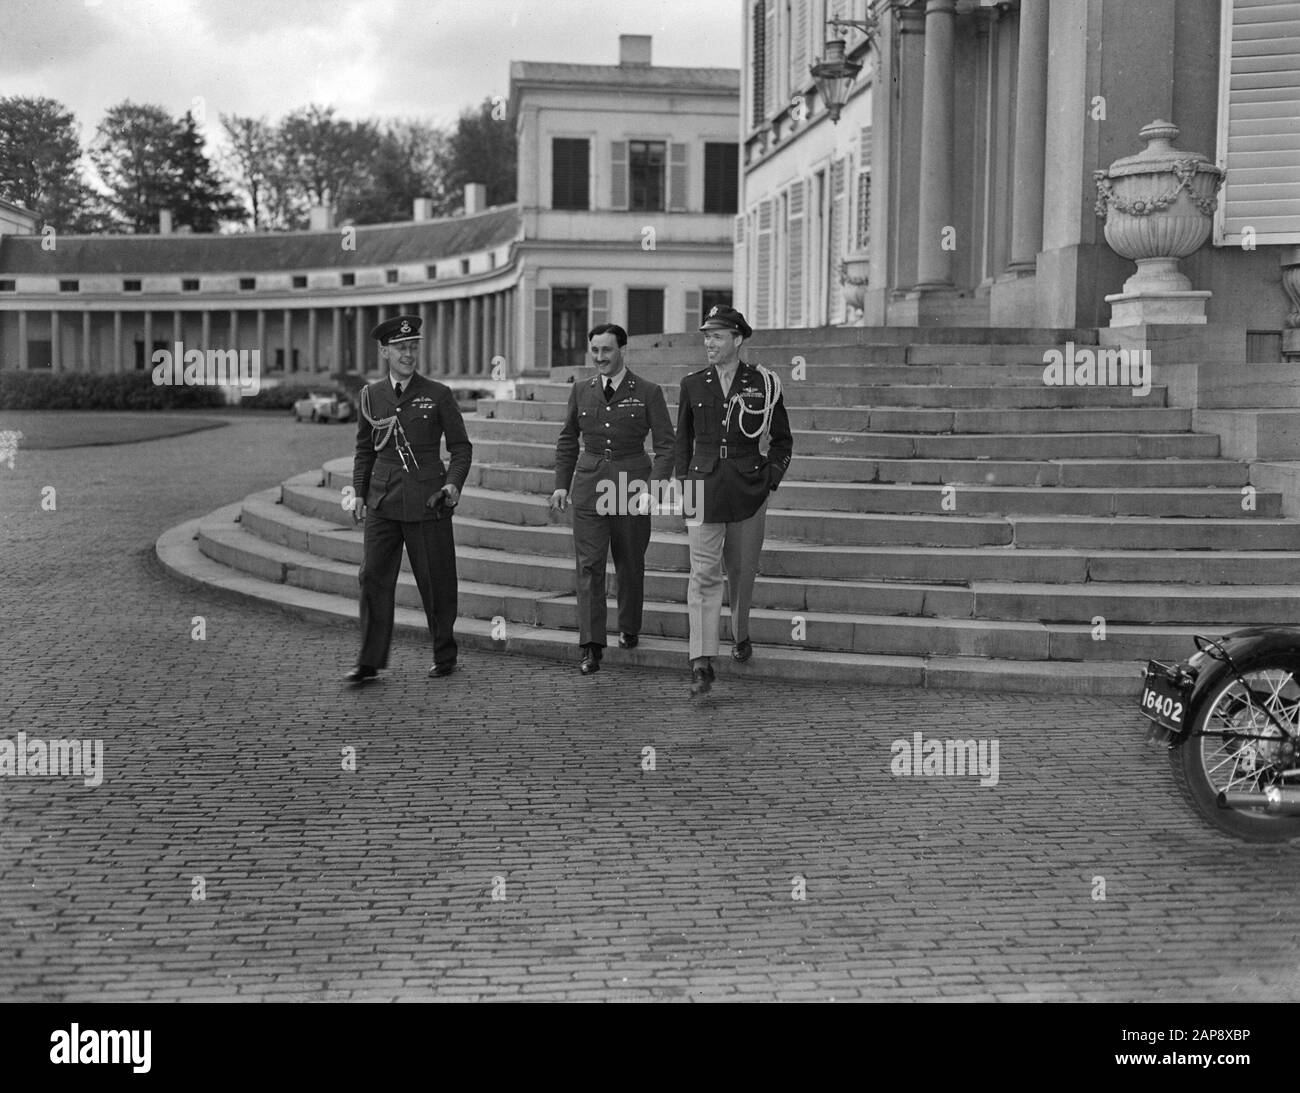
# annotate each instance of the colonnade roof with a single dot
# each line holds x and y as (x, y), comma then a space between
(376, 245)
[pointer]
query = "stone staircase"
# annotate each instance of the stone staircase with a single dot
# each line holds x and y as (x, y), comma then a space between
(948, 520)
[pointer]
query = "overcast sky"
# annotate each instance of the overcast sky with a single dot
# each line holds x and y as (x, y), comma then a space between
(368, 58)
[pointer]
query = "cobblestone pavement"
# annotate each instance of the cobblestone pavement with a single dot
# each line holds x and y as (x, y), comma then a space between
(223, 771)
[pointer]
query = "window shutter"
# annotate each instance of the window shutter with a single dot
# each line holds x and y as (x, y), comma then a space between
(799, 75)
(763, 290)
(795, 257)
(862, 237)
(677, 178)
(758, 64)
(770, 106)
(618, 175)
(542, 328)
(1259, 138)
(693, 305)
(837, 239)
(599, 306)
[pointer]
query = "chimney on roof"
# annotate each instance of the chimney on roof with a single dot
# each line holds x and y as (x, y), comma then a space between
(422, 209)
(634, 49)
(475, 197)
(164, 221)
(322, 218)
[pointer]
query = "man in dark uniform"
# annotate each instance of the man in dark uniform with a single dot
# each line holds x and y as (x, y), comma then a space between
(722, 414)
(611, 486)
(405, 495)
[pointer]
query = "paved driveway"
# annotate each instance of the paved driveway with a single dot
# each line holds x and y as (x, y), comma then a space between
(507, 833)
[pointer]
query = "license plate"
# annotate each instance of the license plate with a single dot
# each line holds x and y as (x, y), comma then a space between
(1165, 695)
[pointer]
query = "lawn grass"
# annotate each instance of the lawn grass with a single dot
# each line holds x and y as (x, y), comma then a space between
(46, 429)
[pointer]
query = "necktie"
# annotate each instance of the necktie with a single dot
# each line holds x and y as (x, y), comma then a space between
(609, 388)
(397, 387)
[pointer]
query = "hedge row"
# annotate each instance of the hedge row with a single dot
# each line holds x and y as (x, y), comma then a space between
(80, 391)
(137, 391)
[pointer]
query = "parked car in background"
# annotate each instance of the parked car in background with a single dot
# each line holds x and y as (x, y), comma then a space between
(322, 408)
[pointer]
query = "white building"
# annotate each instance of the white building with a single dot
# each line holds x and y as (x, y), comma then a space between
(627, 190)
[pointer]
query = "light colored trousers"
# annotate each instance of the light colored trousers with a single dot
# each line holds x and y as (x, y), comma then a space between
(716, 550)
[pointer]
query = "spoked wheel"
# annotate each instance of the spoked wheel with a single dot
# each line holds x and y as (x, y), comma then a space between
(1233, 746)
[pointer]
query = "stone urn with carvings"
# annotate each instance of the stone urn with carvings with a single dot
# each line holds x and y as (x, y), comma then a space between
(854, 270)
(1158, 207)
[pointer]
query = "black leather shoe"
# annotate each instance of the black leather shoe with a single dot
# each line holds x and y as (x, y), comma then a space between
(590, 660)
(743, 651)
(442, 669)
(360, 674)
(701, 680)
(627, 641)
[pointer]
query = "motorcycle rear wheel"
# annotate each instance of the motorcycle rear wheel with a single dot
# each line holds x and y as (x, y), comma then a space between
(1221, 759)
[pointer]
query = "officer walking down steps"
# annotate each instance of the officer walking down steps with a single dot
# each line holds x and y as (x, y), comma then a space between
(722, 414)
(612, 413)
(405, 495)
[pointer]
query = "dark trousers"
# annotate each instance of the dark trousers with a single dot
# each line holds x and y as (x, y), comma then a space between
(594, 538)
(432, 551)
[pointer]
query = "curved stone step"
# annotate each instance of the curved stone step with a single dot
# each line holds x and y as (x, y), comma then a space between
(884, 445)
(815, 392)
(985, 499)
(668, 552)
(1000, 472)
(920, 420)
(777, 627)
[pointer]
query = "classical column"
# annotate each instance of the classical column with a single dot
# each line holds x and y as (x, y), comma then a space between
(205, 329)
(178, 327)
(22, 341)
(56, 346)
(148, 339)
(234, 329)
(286, 338)
(85, 341)
(474, 357)
(313, 335)
(336, 347)
(456, 365)
(117, 342)
(510, 350)
(427, 331)
(261, 340)
(1030, 138)
(359, 341)
(933, 261)
(444, 337)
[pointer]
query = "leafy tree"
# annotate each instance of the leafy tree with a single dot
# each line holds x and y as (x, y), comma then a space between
(408, 165)
(135, 154)
(200, 200)
(327, 161)
(250, 162)
(39, 163)
(482, 148)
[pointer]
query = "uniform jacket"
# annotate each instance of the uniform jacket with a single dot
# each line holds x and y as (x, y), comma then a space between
(612, 437)
(733, 487)
(428, 413)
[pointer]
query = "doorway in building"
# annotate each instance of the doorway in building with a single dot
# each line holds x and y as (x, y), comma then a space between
(568, 327)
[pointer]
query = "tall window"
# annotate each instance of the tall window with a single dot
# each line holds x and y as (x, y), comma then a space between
(721, 177)
(568, 327)
(645, 310)
(646, 169)
(758, 66)
(569, 174)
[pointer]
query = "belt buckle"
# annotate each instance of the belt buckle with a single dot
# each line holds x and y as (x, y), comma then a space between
(608, 456)
(723, 454)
